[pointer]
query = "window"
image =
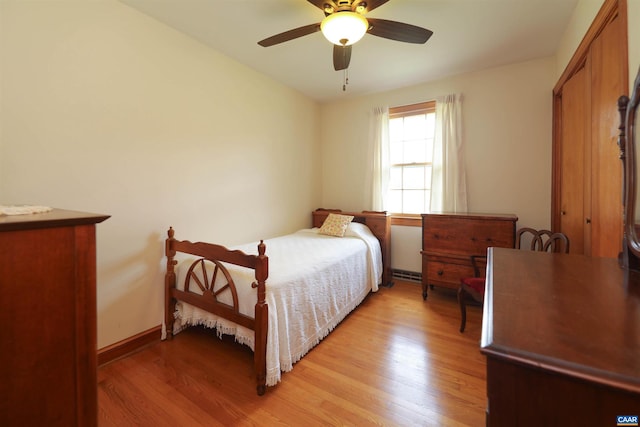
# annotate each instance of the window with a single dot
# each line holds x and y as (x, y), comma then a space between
(411, 134)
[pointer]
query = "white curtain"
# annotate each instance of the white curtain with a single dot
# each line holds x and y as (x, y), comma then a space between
(378, 181)
(448, 178)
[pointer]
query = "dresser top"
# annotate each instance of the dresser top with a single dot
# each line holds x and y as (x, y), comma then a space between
(472, 215)
(571, 314)
(54, 218)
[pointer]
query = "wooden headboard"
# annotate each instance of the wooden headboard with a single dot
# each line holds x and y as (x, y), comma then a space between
(380, 225)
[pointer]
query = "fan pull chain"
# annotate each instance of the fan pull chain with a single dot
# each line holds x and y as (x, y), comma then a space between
(346, 79)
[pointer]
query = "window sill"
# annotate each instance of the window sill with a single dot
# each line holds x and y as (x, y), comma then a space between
(409, 220)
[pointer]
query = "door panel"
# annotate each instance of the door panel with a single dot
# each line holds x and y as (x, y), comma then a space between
(572, 150)
(608, 72)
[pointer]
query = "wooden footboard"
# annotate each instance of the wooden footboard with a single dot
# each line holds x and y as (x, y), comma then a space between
(207, 296)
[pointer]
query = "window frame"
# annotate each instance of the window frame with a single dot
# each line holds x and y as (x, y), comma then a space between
(407, 219)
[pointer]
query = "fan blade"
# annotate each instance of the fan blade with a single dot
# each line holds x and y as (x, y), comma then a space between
(320, 4)
(290, 35)
(398, 31)
(366, 5)
(341, 57)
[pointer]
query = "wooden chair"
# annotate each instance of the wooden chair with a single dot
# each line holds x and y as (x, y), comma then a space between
(542, 240)
(472, 288)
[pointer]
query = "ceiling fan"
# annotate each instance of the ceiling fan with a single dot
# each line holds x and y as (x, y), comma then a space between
(344, 24)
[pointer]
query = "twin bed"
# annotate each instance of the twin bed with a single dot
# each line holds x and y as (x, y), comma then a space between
(282, 296)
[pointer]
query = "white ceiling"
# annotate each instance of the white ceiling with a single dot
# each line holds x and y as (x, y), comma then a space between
(468, 35)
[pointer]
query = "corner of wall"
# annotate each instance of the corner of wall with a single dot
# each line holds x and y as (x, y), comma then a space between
(581, 19)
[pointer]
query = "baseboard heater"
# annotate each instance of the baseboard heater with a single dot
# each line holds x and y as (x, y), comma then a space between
(410, 276)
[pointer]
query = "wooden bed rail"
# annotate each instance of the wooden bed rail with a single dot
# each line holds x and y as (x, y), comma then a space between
(198, 276)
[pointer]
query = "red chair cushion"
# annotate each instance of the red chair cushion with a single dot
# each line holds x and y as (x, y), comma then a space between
(474, 286)
(475, 283)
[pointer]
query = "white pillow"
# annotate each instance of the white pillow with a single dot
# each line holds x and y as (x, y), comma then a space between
(357, 229)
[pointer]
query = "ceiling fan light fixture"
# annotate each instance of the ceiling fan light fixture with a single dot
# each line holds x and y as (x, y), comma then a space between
(344, 28)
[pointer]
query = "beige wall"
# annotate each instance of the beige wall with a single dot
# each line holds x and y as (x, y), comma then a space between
(106, 110)
(583, 15)
(507, 137)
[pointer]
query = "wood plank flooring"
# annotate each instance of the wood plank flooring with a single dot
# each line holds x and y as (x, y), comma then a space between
(395, 361)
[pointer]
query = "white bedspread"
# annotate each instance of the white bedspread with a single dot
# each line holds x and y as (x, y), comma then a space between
(314, 282)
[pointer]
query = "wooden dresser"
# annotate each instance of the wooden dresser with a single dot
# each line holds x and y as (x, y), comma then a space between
(48, 316)
(449, 240)
(561, 334)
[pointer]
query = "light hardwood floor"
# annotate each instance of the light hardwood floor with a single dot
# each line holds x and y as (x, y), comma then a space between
(395, 361)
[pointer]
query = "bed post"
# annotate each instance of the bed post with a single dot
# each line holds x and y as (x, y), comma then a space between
(261, 319)
(169, 284)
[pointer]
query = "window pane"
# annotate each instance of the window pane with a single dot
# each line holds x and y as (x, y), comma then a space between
(427, 177)
(395, 152)
(431, 131)
(411, 150)
(395, 129)
(415, 151)
(395, 178)
(413, 201)
(415, 127)
(395, 201)
(430, 124)
(428, 149)
(413, 177)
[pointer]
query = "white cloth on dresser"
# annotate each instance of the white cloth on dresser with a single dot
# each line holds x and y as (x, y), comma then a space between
(23, 209)
(314, 282)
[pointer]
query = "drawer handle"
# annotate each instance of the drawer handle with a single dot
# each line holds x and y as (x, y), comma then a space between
(440, 272)
(473, 239)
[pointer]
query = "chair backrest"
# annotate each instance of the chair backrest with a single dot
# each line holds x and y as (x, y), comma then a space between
(542, 240)
(556, 242)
